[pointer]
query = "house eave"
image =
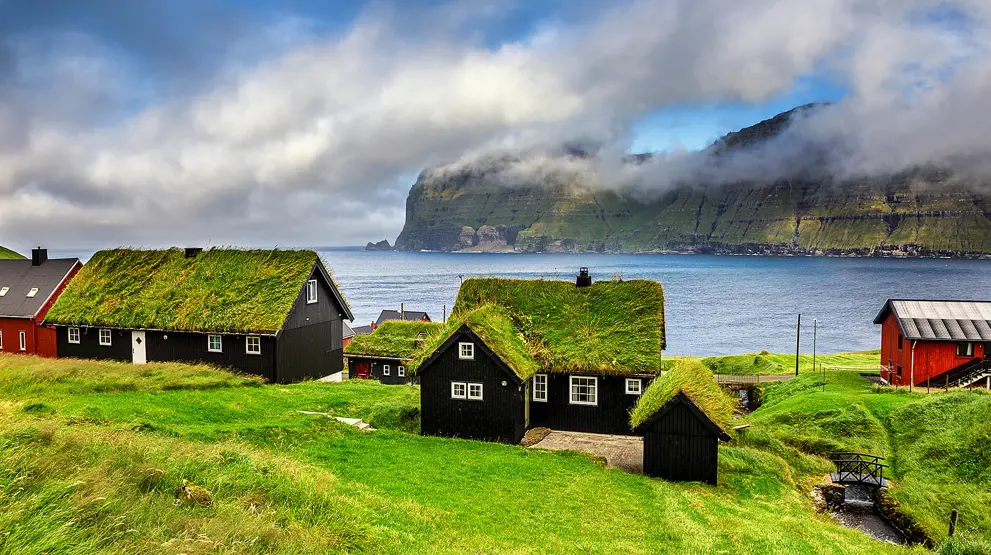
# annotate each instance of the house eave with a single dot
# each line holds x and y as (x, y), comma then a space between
(137, 328)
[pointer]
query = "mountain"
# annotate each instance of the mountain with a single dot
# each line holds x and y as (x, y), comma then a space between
(922, 212)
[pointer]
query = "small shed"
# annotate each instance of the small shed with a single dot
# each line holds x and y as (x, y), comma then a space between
(384, 354)
(680, 417)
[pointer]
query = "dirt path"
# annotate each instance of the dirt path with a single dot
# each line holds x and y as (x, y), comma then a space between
(624, 452)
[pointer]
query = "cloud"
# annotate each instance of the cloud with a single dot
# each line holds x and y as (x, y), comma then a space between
(283, 133)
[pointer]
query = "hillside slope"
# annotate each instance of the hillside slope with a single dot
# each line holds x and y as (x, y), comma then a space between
(7, 254)
(917, 213)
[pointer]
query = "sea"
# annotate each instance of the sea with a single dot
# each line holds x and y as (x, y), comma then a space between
(715, 305)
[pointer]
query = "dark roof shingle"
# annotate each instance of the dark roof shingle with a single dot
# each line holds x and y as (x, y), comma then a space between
(21, 277)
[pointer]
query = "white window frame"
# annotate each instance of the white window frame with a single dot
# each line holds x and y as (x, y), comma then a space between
(32, 293)
(466, 350)
(22, 336)
(3, 291)
(968, 350)
(1, 339)
(386, 370)
(595, 391)
(74, 331)
(455, 386)
(639, 386)
(311, 291)
(220, 343)
(401, 371)
(538, 395)
(247, 345)
(472, 397)
(110, 338)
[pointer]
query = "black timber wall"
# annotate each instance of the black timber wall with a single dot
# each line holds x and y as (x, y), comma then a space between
(89, 344)
(499, 416)
(610, 416)
(311, 344)
(681, 448)
(376, 370)
(192, 347)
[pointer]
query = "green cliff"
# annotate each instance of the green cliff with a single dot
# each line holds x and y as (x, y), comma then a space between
(916, 213)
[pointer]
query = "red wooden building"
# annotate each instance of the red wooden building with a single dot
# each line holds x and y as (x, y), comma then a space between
(28, 288)
(939, 343)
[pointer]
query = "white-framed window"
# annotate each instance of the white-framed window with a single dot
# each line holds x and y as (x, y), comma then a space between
(214, 344)
(540, 387)
(74, 335)
(23, 336)
(965, 349)
(584, 390)
(32, 292)
(634, 386)
(3, 291)
(253, 345)
(1, 339)
(105, 338)
(311, 291)
(401, 371)
(386, 371)
(475, 391)
(459, 390)
(466, 351)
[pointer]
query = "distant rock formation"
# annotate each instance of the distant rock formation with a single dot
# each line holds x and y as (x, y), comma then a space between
(382, 245)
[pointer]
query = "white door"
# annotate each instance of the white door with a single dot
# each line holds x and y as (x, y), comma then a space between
(138, 352)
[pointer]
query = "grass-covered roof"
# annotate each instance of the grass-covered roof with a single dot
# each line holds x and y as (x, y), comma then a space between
(695, 380)
(394, 339)
(223, 290)
(494, 325)
(612, 327)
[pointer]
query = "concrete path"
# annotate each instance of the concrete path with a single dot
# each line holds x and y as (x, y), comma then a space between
(624, 452)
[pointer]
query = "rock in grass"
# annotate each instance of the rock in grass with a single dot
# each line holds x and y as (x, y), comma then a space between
(191, 494)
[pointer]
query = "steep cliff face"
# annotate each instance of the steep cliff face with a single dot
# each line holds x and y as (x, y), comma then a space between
(913, 214)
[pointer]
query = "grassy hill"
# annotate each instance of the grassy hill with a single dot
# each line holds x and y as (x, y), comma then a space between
(768, 364)
(937, 445)
(7, 254)
(93, 456)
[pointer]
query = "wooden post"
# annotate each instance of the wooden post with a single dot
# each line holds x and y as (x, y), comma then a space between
(798, 341)
(953, 522)
(815, 329)
(444, 317)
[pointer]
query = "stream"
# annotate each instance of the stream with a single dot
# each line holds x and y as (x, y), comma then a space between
(858, 512)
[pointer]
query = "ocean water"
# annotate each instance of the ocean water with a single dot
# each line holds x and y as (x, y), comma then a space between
(715, 305)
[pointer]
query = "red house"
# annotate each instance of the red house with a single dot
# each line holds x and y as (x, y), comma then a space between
(28, 288)
(942, 343)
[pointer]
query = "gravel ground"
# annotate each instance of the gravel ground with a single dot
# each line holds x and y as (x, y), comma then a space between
(624, 452)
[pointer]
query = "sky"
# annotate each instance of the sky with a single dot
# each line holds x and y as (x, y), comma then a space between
(304, 122)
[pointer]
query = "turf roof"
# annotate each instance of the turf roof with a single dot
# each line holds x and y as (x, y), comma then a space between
(695, 380)
(224, 290)
(612, 327)
(393, 339)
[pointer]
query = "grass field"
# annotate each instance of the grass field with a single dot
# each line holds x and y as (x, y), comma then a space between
(766, 364)
(938, 445)
(86, 468)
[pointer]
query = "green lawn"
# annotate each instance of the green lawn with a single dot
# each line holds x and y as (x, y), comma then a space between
(97, 472)
(765, 363)
(938, 445)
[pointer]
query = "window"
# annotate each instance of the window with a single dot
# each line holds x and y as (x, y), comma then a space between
(74, 335)
(105, 338)
(466, 351)
(3, 291)
(32, 292)
(540, 387)
(583, 390)
(900, 339)
(475, 391)
(214, 344)
(1, 339)
(458, 390)
(311, 291)
(899, 370)
(24, 340)
(385, 370)
(965, 349)
(401, 371)
(633, 386)
(253, 345)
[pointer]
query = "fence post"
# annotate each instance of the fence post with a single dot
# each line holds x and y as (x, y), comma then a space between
(953, 522)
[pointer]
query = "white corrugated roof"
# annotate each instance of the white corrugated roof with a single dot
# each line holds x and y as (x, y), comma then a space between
(944, 320)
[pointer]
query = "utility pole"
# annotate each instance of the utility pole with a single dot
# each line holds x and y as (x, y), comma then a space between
(815, 326)
(798, 341)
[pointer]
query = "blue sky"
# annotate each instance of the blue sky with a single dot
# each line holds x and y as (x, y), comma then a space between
(304, 122)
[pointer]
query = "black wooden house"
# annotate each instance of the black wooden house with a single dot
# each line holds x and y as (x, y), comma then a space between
(274, 313)
(384, 354)
(527, 353)
(681, 442)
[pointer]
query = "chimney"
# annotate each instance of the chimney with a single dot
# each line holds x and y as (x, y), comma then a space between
(38, 256)
(372, 325)
(191, 252)
(584, 280)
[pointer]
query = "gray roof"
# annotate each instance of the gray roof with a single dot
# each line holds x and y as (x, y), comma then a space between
(21, 277)
(362, 330)
(940, 320)
(408, 316)
(348, 332)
